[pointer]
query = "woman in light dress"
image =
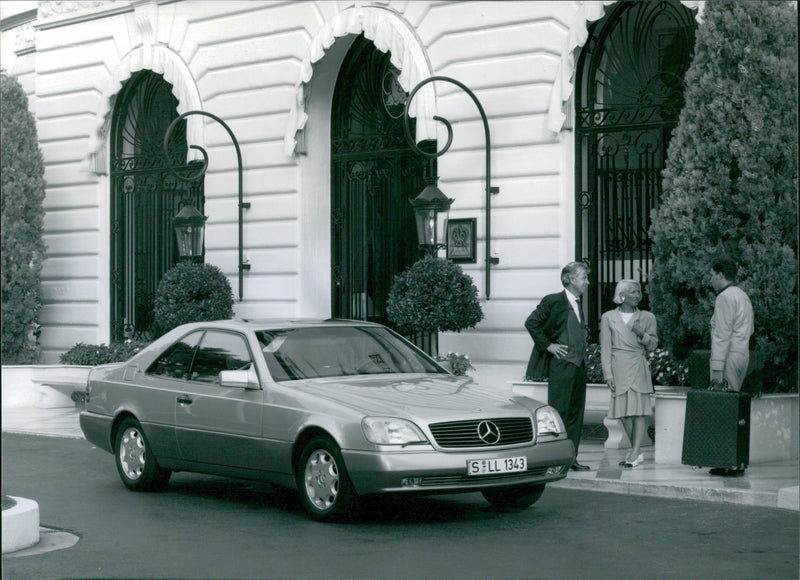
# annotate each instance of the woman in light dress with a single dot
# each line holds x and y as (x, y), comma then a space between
(627, 334)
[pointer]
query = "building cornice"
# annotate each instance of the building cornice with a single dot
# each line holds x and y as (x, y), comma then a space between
(18, 20)
(56, 13)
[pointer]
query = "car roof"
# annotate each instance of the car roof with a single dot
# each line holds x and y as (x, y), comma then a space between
(273, 323)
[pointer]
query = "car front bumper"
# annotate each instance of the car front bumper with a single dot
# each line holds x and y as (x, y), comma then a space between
(432, 471)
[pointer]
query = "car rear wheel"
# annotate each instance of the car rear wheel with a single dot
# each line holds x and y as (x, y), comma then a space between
(136, 464)
(325, 488)
(515, 496)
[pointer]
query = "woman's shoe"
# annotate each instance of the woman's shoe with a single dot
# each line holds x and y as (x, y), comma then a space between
(635, 462)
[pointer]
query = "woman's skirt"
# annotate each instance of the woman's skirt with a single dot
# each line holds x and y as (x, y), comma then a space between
(630, 404)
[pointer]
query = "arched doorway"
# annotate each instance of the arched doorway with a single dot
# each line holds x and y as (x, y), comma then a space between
(629, 92)
(374, 174)
(145, 197)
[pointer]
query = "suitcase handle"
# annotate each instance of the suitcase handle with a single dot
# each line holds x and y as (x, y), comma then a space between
(719, 385)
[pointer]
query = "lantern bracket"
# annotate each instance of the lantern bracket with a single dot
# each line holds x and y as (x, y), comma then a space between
(199, 175)
(490, 190)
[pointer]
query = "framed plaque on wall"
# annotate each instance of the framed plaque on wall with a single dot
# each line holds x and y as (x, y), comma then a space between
(461, 240)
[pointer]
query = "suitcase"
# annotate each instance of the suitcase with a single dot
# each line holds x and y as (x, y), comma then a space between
(716, 430)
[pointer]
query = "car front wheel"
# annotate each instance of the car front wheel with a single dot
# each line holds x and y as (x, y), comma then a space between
(515, 496)
(136, 464)
(325, 488)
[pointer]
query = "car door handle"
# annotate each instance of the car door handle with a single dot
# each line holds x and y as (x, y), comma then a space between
(184, 401)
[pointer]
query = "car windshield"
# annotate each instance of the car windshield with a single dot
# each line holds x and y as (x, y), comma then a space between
(336, 351)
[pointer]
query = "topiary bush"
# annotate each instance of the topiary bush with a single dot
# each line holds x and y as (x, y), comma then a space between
(100, 354)
(730, 184)
(433, 295)
(23, 250)
(191, 292)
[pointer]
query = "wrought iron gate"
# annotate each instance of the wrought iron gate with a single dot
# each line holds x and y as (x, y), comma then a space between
(374, 174)
(628, 95)
(145, 196)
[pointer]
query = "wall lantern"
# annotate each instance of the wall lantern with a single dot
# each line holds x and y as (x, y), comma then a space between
(489, 190)
(431, 208)
(190, 227)
(243, 205)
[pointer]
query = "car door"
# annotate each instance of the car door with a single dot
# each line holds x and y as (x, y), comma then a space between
(157, 389)
(215, 424)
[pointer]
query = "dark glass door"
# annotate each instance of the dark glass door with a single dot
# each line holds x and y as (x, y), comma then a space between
(374, 175)
(145, 197)
(628, 97)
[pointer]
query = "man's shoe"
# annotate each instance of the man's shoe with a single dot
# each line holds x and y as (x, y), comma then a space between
(578, 467)
(725, 472)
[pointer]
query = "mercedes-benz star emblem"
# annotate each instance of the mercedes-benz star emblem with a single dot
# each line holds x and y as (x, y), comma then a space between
(488, 432)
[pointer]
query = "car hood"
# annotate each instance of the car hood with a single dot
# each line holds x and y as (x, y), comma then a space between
(424, 396)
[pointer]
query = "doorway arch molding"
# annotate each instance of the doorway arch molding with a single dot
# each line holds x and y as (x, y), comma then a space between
(171, 66)
(389, 32)
(577, 35)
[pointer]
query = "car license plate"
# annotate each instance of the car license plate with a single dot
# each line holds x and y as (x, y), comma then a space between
(490, 466)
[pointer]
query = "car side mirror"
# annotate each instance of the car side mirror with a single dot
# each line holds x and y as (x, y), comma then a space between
(246, 379)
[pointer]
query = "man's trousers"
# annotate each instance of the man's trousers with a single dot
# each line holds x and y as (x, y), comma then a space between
(566, 392)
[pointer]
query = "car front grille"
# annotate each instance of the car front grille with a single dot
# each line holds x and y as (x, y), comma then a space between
(455, 434)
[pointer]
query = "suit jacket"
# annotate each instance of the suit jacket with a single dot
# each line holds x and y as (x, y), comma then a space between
(545, 324)
(731, 326)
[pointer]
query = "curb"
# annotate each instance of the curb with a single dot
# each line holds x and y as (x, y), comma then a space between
(20, 525)
(789, 498)
(741, 497)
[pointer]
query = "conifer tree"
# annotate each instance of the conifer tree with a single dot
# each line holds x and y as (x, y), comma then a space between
(23, 250)
(730, 184)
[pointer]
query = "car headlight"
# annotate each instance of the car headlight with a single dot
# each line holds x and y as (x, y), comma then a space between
(548, 422)
(391, 431)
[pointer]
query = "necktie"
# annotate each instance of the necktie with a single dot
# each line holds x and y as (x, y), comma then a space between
(580, 313)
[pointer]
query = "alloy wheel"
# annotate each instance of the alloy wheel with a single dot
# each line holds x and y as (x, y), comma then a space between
(322, 479)
(132, 453)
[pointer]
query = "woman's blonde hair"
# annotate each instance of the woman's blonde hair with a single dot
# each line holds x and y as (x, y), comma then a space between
(623, 285)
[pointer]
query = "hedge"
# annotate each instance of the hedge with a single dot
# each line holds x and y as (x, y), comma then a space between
(730, 184)
(23, 249)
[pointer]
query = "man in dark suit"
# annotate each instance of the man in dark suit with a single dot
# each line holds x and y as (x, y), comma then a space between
(559, 351)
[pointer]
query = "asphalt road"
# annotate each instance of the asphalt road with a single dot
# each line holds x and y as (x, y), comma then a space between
(207, 527)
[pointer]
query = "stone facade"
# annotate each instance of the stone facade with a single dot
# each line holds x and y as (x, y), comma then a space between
(268, 68)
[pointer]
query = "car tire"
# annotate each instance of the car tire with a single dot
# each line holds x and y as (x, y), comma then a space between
(136, 464)
(515, 496)
(325, 488)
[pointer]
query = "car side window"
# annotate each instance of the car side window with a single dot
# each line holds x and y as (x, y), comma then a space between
(176, 361)
(220, 351)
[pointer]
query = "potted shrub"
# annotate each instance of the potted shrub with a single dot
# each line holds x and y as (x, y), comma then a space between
(730, 188)
(458, 364)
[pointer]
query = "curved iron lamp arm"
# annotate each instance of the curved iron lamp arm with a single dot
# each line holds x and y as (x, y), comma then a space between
(489, 189)
(242, 204)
